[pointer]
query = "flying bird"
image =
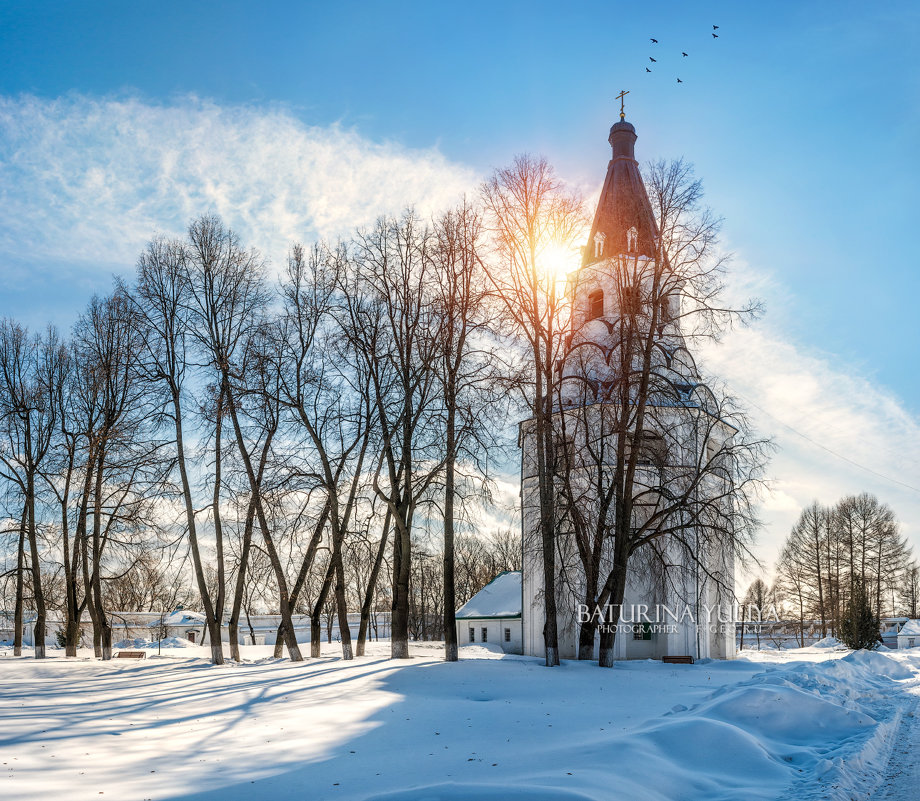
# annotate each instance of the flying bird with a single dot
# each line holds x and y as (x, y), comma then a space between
(654, 41)
(652, 60)
(683, 53)
(715, 27)
(679, 80)
(647, 69)
(715, 36)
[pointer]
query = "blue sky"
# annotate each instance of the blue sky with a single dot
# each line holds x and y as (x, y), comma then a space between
(299, 119)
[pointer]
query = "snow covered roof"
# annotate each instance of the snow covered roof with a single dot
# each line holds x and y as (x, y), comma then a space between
(181, 617)
(910, 628)
(501, 597)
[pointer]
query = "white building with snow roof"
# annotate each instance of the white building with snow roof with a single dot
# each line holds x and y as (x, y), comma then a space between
(493, 615)
(184, 623)
(909, 635)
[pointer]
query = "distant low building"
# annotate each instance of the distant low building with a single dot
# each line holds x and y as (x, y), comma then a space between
(255, 629)
(493, 615)
(181, 623)
(888, 630)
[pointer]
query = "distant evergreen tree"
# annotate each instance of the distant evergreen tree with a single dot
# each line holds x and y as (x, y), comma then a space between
(860, 626)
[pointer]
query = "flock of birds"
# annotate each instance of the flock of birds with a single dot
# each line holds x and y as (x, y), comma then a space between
(682, 53)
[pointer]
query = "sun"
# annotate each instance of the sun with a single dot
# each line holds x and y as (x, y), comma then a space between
(556, 260)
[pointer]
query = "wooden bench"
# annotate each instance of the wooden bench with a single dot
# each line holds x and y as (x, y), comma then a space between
(131, 655)
(677, 660)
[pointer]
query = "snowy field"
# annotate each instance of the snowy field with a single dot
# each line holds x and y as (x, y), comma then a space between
(807, 724)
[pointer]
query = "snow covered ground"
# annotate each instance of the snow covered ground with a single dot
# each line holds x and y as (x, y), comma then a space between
(805, 724)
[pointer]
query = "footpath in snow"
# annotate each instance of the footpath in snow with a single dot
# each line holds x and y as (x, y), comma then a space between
(815, 723)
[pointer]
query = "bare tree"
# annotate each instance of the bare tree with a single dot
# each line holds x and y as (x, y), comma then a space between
(270, 423)
(807, 540)
(227, 300)
(868, 531)
(829, 549)
(125, 454)
(162, 301)
(466, 370)
(531, 216)
(329, 396)
(28, 371)
(390, 322)
(909, 590)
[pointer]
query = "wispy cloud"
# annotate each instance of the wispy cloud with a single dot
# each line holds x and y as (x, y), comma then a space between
(836, 430)
(88, 181)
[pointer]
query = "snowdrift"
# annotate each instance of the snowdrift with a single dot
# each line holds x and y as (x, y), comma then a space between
(805, 730)
(829, 642)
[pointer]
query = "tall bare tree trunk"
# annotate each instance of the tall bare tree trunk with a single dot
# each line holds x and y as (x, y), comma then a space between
(399, 620)
(88, 596)
(301, 579)
(819, 577)
(20, 584)
(290, 635)
(71, 615)
(341, 605)
(451, 649)
(544, 439)
(372, 585)
(234, 624)
(101, 622)
(613, 595)
(214, 624)
(78, 559)
(217, 653)
(38, 594)
(316, 614)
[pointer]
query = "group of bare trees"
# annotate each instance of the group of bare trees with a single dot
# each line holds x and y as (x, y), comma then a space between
(290, 446)
(81, 457)
(830, 549)
(320, 444)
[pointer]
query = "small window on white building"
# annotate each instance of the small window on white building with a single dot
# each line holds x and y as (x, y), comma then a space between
(910, 642)
(599, 239)
(485, 634)
(472, 634)
(507, 635)
(653, 451)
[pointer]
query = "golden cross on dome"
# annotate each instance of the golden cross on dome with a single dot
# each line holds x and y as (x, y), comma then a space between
(620, 98)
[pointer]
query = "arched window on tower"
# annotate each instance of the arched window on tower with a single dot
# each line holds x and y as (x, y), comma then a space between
(599, 239)
(632, 240)
(596, 304)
